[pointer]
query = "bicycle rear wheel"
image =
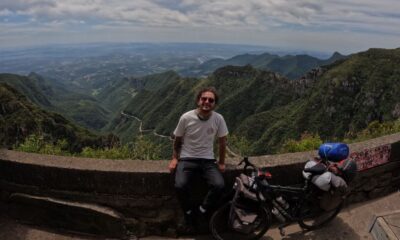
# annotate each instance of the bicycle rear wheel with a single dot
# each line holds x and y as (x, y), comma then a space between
(315, 217)
(220, 229)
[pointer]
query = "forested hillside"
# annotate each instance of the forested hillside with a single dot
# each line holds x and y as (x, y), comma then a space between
(263, 109)
(20, 118)
(54, 96)
(334, 101)
(117, 94)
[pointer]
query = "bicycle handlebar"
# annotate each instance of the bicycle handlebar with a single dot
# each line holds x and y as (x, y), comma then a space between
(260, 181)
(247, 164)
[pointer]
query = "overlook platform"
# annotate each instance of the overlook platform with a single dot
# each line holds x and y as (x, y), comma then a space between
(122, 198)
(353, 223)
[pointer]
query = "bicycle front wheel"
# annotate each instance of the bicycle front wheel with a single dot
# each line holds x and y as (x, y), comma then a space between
(221, 229)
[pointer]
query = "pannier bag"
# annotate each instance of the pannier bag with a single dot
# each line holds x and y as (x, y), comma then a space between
(330, 200)
(243, 212)
(333, 152)
(243, 220)
(325, 180)
(348, 169)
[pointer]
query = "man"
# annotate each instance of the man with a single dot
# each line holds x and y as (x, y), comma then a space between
(193, 153)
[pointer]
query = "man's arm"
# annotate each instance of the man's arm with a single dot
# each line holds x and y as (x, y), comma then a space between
(222, 153)
(177, 145)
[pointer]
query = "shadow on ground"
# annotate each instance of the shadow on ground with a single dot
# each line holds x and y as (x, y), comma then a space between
(337, 229)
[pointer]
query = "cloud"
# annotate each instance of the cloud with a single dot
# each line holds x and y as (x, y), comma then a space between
(214, 16)
(5, 12)
(209, 12)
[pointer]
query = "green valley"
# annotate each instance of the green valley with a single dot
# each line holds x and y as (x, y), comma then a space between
(267, 108)
(20, 118)
(334, 101)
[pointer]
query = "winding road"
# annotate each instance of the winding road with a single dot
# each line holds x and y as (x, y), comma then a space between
(141, 130)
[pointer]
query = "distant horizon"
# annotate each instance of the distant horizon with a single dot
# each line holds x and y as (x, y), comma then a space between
(258, 49)
(307, 25)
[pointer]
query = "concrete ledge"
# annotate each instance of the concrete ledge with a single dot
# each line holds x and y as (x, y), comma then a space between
(142, 191)
(386, 226)
(85, 180)
(66, 215)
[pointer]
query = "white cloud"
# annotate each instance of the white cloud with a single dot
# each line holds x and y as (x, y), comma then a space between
(261, 18)
(5, 12)
(249, 13)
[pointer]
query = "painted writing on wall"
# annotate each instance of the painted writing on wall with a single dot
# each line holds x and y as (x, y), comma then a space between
(371, 157)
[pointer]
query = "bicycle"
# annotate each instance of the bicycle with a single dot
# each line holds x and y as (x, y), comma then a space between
(254, 196)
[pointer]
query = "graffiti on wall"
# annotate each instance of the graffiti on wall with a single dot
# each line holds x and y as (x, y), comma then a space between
(370, 158)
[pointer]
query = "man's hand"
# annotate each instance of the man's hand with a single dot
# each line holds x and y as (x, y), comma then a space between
(221, 167)
(333, 168)
(172, 165)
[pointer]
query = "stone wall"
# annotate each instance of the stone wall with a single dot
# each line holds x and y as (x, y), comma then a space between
(376, 180)
(113, 197)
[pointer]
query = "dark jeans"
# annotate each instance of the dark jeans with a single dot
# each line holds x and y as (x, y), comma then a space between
(208, 169)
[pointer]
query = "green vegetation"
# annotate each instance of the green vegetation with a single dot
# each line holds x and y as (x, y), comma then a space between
(21, 118)
(55, 97)
(268, 110)
(307, 142)
(374, 129)
(33, 89)
(142, 148)
(37, 144)
(117, 94)
(352, 99)
(239, 145)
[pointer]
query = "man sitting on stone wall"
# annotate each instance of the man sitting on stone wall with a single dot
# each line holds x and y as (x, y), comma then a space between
(193, 154)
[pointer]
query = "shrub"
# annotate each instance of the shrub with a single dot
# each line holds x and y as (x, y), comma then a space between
(239, 145)
(373, 130)
(33, 143)
(145, 149)
(307, 142)
(142, 148)
(37, 143)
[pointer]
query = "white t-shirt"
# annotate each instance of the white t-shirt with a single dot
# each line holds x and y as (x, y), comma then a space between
(198, 136)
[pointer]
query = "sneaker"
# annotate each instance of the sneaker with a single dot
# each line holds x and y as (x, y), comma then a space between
(184, 230)
(202, 218)
(188, 227)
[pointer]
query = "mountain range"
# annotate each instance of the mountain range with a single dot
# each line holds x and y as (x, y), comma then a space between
(20, 118)
(266, 108)
(265, 98)
(291, 66)
(55, 96)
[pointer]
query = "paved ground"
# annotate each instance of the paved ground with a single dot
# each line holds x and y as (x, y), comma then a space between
(352, 223)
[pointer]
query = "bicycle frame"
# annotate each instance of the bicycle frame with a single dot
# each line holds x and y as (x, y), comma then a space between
(299, 204)
(271, 192)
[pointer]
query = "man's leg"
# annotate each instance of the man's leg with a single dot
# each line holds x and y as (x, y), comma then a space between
(183, 176)
(216, 184)
(183, 179)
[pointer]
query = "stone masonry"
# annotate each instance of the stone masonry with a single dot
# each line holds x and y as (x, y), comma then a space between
(118, 198)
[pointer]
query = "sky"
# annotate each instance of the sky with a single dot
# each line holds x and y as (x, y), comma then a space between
(346, 26)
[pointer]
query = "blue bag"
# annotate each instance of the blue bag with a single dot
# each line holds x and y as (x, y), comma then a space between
(334, 152)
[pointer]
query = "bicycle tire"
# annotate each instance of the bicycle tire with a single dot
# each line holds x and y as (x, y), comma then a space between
(221, 231)
(321, 218)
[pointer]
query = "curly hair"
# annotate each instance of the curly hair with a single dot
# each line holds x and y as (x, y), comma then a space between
(207, 89)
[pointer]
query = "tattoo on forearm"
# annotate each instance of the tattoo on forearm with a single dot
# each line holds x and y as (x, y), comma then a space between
(177, 146)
